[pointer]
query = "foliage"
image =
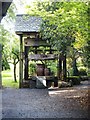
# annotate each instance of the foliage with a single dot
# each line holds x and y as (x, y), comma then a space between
(9, 47)
(65, 26)
(82, 72)
(6, 36)
(53, 66)
(3, 35)
(11, 12)
(75, 79)
(32, 68)
(63, 21)
(4, 41)
(9, 41)
(14, 55)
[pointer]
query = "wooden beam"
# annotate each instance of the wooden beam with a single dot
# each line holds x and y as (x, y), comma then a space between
(42, 57)
(25, 34)
(40, 50)
(21, 63)
(26, 63)
(34, 42)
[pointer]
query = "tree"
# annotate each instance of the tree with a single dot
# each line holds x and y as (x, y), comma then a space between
(6, 35)
(15, 59)
(4, 40)
(64, 24)
(10, 53)
(13, 51)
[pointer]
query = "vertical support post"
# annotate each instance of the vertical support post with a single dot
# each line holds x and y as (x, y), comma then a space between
(21, 63)
(0, 10)
(0, 48)
(26, 63)
(0, 66)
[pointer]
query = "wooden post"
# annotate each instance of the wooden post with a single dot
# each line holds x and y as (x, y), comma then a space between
(26, 63)
(21, 63)
(0, 66)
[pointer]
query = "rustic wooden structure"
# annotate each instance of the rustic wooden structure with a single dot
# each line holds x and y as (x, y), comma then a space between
(28, 28)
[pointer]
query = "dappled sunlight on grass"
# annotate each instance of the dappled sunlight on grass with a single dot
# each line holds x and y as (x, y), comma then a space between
(8, 81)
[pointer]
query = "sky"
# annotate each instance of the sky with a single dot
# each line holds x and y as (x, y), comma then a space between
(20, 6)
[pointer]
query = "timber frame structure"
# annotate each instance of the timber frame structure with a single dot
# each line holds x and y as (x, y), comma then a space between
(28, 28)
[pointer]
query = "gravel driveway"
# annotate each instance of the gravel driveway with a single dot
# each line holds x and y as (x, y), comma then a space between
(46, 103)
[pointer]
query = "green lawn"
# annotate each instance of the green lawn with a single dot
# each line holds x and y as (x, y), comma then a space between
(8, 81)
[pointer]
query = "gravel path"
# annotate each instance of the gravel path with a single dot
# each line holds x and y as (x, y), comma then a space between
(46, 103)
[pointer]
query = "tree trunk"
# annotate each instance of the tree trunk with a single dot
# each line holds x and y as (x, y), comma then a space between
(75, 70)
(64, 68)
(59, 68)
(15, 79)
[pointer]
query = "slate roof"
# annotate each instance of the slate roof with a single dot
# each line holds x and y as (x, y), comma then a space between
(27, 23)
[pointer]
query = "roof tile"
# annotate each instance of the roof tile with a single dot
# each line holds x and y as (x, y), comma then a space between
(27, 23)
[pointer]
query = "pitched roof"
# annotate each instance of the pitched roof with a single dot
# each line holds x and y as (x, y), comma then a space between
(27, 23)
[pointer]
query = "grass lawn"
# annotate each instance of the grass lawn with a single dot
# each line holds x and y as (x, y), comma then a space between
(7, 79)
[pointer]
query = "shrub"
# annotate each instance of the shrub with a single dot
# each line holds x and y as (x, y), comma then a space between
(82, 72)
(75, 80)
(32, 68)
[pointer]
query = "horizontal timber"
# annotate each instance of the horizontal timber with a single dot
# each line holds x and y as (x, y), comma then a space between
(42, 57)
(33, 42)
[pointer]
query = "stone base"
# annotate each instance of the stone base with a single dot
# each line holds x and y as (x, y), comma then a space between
(32, 84)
